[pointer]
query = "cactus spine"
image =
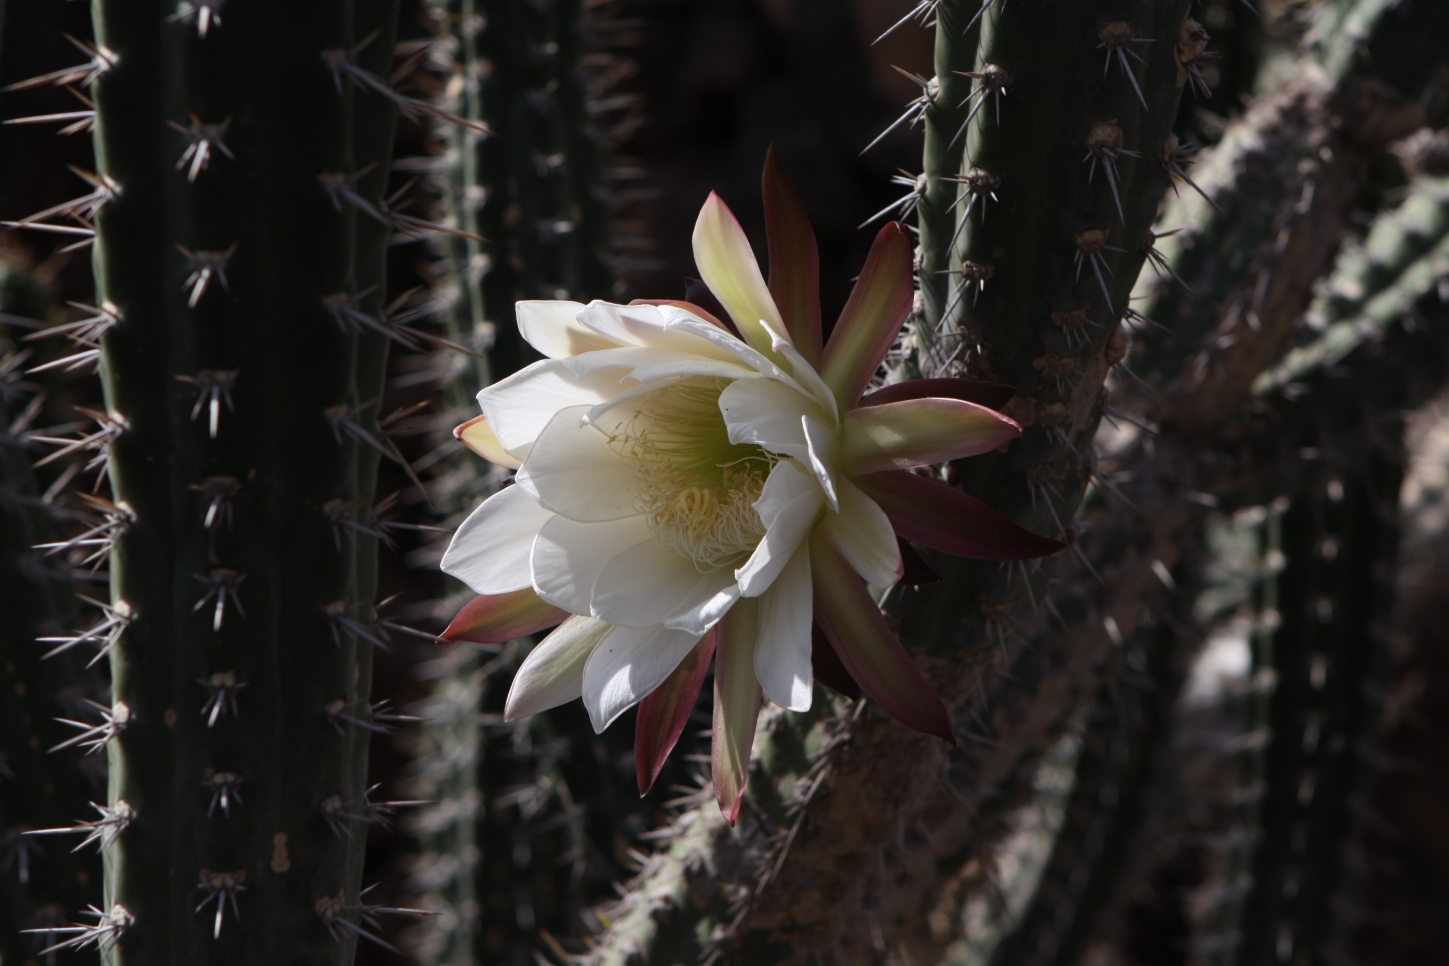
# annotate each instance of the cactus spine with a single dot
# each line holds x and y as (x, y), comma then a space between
(237, 282)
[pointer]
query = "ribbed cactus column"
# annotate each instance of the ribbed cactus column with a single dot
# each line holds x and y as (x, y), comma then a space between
(237, 390)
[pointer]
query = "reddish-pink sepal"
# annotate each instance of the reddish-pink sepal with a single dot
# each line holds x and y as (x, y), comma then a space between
(736, 704)
(946, 519)
(825, 664)
(992, 395)
(917, 571)
(499, 618)
(665, 711)
(868, 648)
(794, 259)
(873, 315)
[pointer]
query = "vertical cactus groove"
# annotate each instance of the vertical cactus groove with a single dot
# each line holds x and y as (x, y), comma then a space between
(945, 140)
(227, 273)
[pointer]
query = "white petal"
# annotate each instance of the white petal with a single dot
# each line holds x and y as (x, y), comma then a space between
(553, 328)
(553, 672)
(644, 325)
(768, 413)
(787, 525)
(568, 555)
(576, 472)
(681, 321)
(490, 551)
(808, 378)
(626, 665)
(864, 536)
(643, 585)
(519, 407)
(710, 600)
(824, 451)
(782, 653)
(648, 364)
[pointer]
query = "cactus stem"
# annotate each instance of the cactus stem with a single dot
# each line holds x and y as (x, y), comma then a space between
(204, 138)
(915, 110)
(222, 888)
(105, 933)
(84, 75)
(205, 265)
(95, 737)
(1118, 38)
(221, 691)
(993, 80)
(102, 831)
(221, 586)
(115, 618)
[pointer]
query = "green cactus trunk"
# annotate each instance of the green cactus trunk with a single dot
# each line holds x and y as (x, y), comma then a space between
(232, 386)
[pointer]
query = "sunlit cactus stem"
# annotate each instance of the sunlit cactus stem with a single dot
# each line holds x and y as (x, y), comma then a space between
(245, 655)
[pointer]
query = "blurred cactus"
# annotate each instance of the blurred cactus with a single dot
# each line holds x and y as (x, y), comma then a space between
(523, 835)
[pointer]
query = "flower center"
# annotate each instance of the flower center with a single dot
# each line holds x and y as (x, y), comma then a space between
(695, 487)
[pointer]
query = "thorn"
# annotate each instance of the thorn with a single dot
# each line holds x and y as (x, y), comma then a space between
(1104, 146)
(207, 13)
(906, 203)
(85, 74)
(1119, 37)
(222, 888)
(380, 813)
(1090, 245)
(118, 518)
(916, 109)
(921, 11)
(220, 493)
(343, 623)
(83, 209)
(340, 62)
(221, 586)
(95, 737)
(100, 441)
(205, 265)
(981, 184)
(86, 331)
(974, 275)
(993, 80)
(221, 691)
(1159, 262)
(1174, 155)
(339, 516)
(338, 717)
(343, 420)
(1073, 323)
(1191, 52)
(204, 138)
(106, 633)
(225, 787)
(107, 931)
(103, 831)
(213, 388)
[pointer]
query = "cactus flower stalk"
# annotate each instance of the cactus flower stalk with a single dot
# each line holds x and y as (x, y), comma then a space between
(685, 485)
